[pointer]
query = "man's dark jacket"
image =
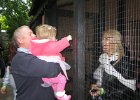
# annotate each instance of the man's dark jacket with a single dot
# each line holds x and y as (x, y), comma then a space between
(27, 71)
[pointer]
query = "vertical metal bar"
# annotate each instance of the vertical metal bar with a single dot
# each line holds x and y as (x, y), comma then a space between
(101, 16)
(79, 51)
(101, 25)
(121, 17)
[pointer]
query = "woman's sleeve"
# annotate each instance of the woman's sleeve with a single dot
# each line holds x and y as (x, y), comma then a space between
(98, 74)
(6, 77)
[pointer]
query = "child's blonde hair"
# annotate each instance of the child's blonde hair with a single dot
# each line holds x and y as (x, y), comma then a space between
(45, 31)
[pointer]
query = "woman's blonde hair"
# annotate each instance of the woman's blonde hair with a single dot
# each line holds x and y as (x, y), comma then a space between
(115, 37)
(45, 31)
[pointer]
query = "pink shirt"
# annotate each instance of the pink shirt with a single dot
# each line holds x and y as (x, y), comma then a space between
(49, 47)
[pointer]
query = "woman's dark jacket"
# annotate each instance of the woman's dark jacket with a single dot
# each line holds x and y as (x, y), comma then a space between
(115, 90)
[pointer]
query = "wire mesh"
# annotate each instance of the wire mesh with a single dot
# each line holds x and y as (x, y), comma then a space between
(101, 15)
(123, 16)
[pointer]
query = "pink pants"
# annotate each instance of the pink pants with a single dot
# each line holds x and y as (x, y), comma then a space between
(58, 83)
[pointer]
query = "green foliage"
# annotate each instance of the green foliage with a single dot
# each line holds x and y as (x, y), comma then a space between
(13, 13)
(16, 13)
(2, 23)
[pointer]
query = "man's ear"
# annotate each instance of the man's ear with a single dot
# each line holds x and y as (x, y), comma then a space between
(20, 40)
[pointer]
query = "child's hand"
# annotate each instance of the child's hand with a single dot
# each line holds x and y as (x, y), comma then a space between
(3, 89)
(69, 37)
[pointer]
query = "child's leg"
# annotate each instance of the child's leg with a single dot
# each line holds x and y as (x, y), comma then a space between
(58, 83)
(58, 86)
(61, 83)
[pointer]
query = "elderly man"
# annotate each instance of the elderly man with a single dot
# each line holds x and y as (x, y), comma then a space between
(28, 70)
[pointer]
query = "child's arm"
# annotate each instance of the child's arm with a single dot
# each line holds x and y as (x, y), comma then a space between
(61, 44)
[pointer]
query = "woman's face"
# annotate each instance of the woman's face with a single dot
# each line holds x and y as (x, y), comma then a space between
(108, 44)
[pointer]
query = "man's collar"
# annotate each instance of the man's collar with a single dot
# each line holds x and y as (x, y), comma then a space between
(25, 50)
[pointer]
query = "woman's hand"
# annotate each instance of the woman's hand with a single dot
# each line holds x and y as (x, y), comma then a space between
(95, 90)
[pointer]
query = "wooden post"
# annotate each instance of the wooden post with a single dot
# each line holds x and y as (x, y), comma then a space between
(79, 51)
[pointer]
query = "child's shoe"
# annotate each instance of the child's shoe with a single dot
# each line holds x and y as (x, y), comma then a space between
(65, 97)
(46, 84)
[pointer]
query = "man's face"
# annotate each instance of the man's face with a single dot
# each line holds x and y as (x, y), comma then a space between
(27, 35)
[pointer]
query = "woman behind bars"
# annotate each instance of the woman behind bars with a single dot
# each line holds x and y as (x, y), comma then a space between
(114, 77)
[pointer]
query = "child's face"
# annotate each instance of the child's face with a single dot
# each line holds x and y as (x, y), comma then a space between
(53, 38)
(33, 35)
